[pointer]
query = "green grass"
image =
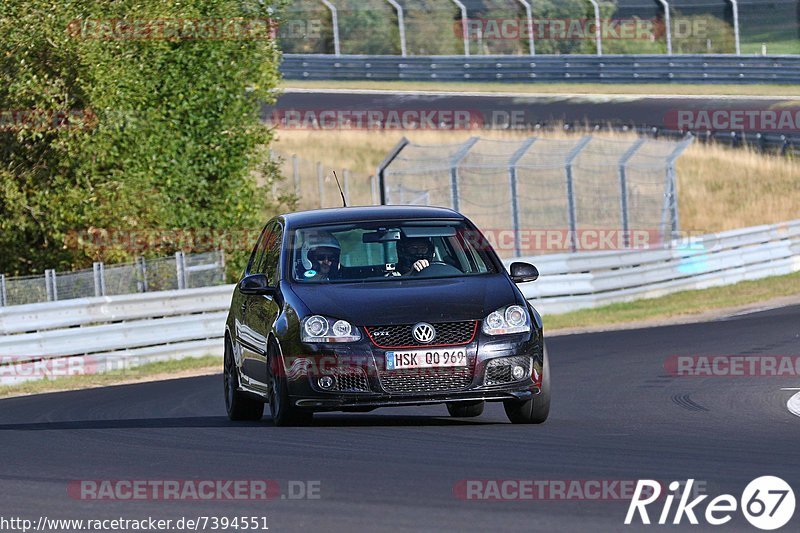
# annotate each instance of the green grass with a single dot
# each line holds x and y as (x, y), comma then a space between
(139, 373)
(679, 304)
(561, 88)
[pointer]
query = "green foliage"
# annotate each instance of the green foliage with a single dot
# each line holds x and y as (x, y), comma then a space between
(167, 133)
(305, 27)
(701, 34)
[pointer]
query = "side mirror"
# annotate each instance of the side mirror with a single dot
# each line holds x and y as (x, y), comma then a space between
(523, 272)
(256, 284)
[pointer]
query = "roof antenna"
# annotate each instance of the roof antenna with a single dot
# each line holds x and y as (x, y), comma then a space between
(344, 201)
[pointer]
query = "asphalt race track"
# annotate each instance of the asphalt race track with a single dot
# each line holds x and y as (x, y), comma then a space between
(499, 110)
(616, 415)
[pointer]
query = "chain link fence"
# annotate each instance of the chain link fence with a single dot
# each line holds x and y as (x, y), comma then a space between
(514, 27)
(543, 195)
(144, 275)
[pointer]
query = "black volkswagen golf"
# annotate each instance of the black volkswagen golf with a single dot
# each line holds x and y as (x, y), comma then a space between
(357, 308)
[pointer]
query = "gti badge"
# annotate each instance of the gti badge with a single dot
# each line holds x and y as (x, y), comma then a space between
(424, 332)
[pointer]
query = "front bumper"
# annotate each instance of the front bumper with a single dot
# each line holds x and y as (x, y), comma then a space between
(361, 379)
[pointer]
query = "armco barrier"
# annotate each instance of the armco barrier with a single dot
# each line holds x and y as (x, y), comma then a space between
(591, 279)
(172, 324)
(783, 69)
(103, 331)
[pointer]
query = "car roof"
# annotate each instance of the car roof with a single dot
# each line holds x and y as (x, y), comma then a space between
(372, 213)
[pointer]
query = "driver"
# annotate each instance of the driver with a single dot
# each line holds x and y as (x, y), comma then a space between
(414, 254)
(321, 257)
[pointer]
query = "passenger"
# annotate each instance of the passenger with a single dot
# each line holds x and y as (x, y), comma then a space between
(321, 253)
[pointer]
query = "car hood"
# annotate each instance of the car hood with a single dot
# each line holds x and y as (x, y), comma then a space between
(402, 302)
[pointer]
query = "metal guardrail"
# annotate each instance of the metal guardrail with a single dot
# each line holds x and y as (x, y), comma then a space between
(592, 279)
(779, 69)
(90, 335)
(114, 332)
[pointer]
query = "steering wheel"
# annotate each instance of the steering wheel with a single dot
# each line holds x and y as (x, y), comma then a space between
(437, 268)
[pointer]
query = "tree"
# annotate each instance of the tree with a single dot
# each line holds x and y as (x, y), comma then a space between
(162, 126)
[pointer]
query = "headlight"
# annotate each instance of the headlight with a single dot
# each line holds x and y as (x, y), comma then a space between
(506, 320)
(318, 328)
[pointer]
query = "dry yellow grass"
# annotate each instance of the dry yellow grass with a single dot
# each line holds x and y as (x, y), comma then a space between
(719, 188)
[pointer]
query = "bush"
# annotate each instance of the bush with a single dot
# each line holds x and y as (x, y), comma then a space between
(145, 132)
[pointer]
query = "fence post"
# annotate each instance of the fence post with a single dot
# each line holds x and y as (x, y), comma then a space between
(141, 269)
(335, 23)
(385, 164)
(529, 16)
(373, 186)
(665, 5)
(512, 179)
(3, 294)
(464, 26)
(623, 188)
(597, 28)
(401, 26)
(180, 264)
(98, 270)
(296, 174)
(321, 183)
(454, 162)
(572, 217)
(50, 285)
(670, 197)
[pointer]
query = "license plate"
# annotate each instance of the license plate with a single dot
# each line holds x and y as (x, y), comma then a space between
(425, 359)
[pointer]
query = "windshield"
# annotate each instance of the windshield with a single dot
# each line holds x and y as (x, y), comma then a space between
(377, 251)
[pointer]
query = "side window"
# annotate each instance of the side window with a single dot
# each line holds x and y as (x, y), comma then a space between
(272, 253)
(257, 260)
(253, 262)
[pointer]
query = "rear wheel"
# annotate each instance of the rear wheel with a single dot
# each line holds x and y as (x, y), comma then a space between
(283, 413)
(535, 410)
(466, 409)
(238, 405)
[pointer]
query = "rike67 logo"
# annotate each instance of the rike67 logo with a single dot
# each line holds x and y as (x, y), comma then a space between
(767, 503)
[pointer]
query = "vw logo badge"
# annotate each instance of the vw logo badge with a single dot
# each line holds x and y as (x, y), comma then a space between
(424, 332)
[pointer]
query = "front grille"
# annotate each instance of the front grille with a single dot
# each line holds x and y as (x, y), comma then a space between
(447, 334)
(349, 379)
(426, 379)
(498, 371)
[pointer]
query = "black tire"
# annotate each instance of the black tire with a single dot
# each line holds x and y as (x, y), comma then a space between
(238, 405)
(535, 410)
(283, 413)
(466, 409)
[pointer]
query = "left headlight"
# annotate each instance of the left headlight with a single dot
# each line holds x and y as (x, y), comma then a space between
(506, 320)
(318, 328)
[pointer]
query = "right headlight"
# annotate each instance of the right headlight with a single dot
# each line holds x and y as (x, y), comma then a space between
(318, 328)
(507, 320)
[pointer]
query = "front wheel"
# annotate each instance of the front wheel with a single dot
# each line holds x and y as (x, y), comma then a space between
(283, 413)
(237, 404)
(466, 409)
(535, 410)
